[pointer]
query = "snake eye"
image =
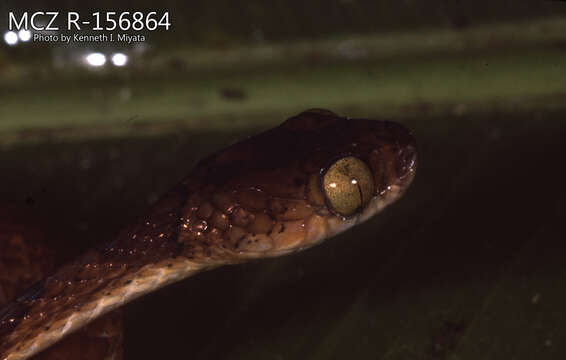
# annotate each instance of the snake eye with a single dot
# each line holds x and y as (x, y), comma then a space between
(348, 185)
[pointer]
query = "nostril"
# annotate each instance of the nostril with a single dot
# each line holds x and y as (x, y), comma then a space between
(410, 153)
(407, 157)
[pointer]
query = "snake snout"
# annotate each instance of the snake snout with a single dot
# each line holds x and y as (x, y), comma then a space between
(406, 154)
(406, 160)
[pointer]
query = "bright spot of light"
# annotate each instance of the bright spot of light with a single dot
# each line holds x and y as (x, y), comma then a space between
(119, 59)
(332, 185)
(96, 59)
(11, 38)
(354, 181)
(24, 35)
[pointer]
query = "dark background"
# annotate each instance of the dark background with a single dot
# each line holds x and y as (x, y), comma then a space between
(469, 264)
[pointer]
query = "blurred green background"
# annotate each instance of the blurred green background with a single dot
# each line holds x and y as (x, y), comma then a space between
(468, 265)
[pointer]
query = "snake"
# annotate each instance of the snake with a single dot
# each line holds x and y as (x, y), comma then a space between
(279, 192)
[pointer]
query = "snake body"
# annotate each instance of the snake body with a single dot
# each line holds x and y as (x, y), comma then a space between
(281, 191)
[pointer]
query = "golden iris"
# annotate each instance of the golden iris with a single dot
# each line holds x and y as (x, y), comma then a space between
(348, 185)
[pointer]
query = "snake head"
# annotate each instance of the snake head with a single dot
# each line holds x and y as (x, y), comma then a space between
(314, 176)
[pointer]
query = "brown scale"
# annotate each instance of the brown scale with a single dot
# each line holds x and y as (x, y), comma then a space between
(260, 197)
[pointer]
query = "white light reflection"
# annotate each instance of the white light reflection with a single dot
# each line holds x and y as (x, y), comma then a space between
(119, 59)
(24, 35)
(96, 59)
(11, 38)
